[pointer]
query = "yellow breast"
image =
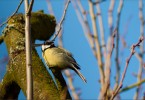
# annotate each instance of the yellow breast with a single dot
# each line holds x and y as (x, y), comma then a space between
(55, 58)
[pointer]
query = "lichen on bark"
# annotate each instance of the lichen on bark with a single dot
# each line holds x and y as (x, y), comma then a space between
(43, 27)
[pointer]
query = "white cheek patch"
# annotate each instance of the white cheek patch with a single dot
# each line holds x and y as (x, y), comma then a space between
(44, 47)
(47, 46)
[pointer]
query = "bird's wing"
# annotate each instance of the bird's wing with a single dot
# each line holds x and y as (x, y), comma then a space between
(73, 61)
(68, 56)
(65, 51)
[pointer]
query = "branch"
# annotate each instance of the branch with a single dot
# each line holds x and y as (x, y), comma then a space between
(28, 51)
(132, 86)
(100, 21)
(86, 28)
(98, 1)
(107, 66)
(50, 7)
(60, 24)
(126, 66)
(12, 14)
(30, 7)
(140, 71)
(117, 43)
(15, 43)
(97, 43)
(70, 84)
(110, 18)
(110, 47)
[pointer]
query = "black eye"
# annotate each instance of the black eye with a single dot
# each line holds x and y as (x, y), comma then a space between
(48, 42)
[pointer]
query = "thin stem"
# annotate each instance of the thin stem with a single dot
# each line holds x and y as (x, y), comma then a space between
(70, 84)
(126, 66)
(117, 44)
(96, 38)
(107, 66)
(60, 24)
(98, 1)
(28, 52)
(30, 6)
(86, 28)
(12, 14)
(110, 18)
(50, 7)
(132, 86)
(140, 71)
(103, 44)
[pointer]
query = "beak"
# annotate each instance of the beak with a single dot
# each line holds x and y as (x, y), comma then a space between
(45, 43)
(37, 45)
(48, 42)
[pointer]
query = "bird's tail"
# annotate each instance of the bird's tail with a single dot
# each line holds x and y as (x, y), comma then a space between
(79, 73)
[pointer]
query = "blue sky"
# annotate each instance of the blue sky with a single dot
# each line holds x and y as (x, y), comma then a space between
(75, 41)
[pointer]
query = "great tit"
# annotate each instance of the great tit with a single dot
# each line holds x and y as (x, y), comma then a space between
(57, 57)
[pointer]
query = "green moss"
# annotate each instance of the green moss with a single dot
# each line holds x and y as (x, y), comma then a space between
(43, 29)
(43, 26)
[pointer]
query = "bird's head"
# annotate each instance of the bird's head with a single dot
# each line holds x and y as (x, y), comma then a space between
(47, 45)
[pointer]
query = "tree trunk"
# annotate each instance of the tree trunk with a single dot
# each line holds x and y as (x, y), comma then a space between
(43, 26)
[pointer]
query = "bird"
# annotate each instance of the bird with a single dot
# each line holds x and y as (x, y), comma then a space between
(59, 58)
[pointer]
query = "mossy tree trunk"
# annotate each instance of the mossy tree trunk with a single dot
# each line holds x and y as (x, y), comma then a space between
(43, 27)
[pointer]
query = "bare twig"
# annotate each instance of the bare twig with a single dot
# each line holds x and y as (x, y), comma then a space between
(28, 52)
(63, 17)
(70, 84)
(139, 77)
(110, 18)
(82, 10)
(98, 1)
(86, 28)
(50, 7)
(132, 86)
(110, 47)
(107, 66)
(101, 28)
(117, 43)
(140, 71)
(30, 7)
(126, 66)
(97, 43)
(82, 16)
(12, 14)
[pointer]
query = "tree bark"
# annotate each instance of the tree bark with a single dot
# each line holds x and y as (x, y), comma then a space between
(43, 27)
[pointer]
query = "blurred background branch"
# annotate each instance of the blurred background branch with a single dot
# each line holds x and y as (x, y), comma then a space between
(141, 54)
